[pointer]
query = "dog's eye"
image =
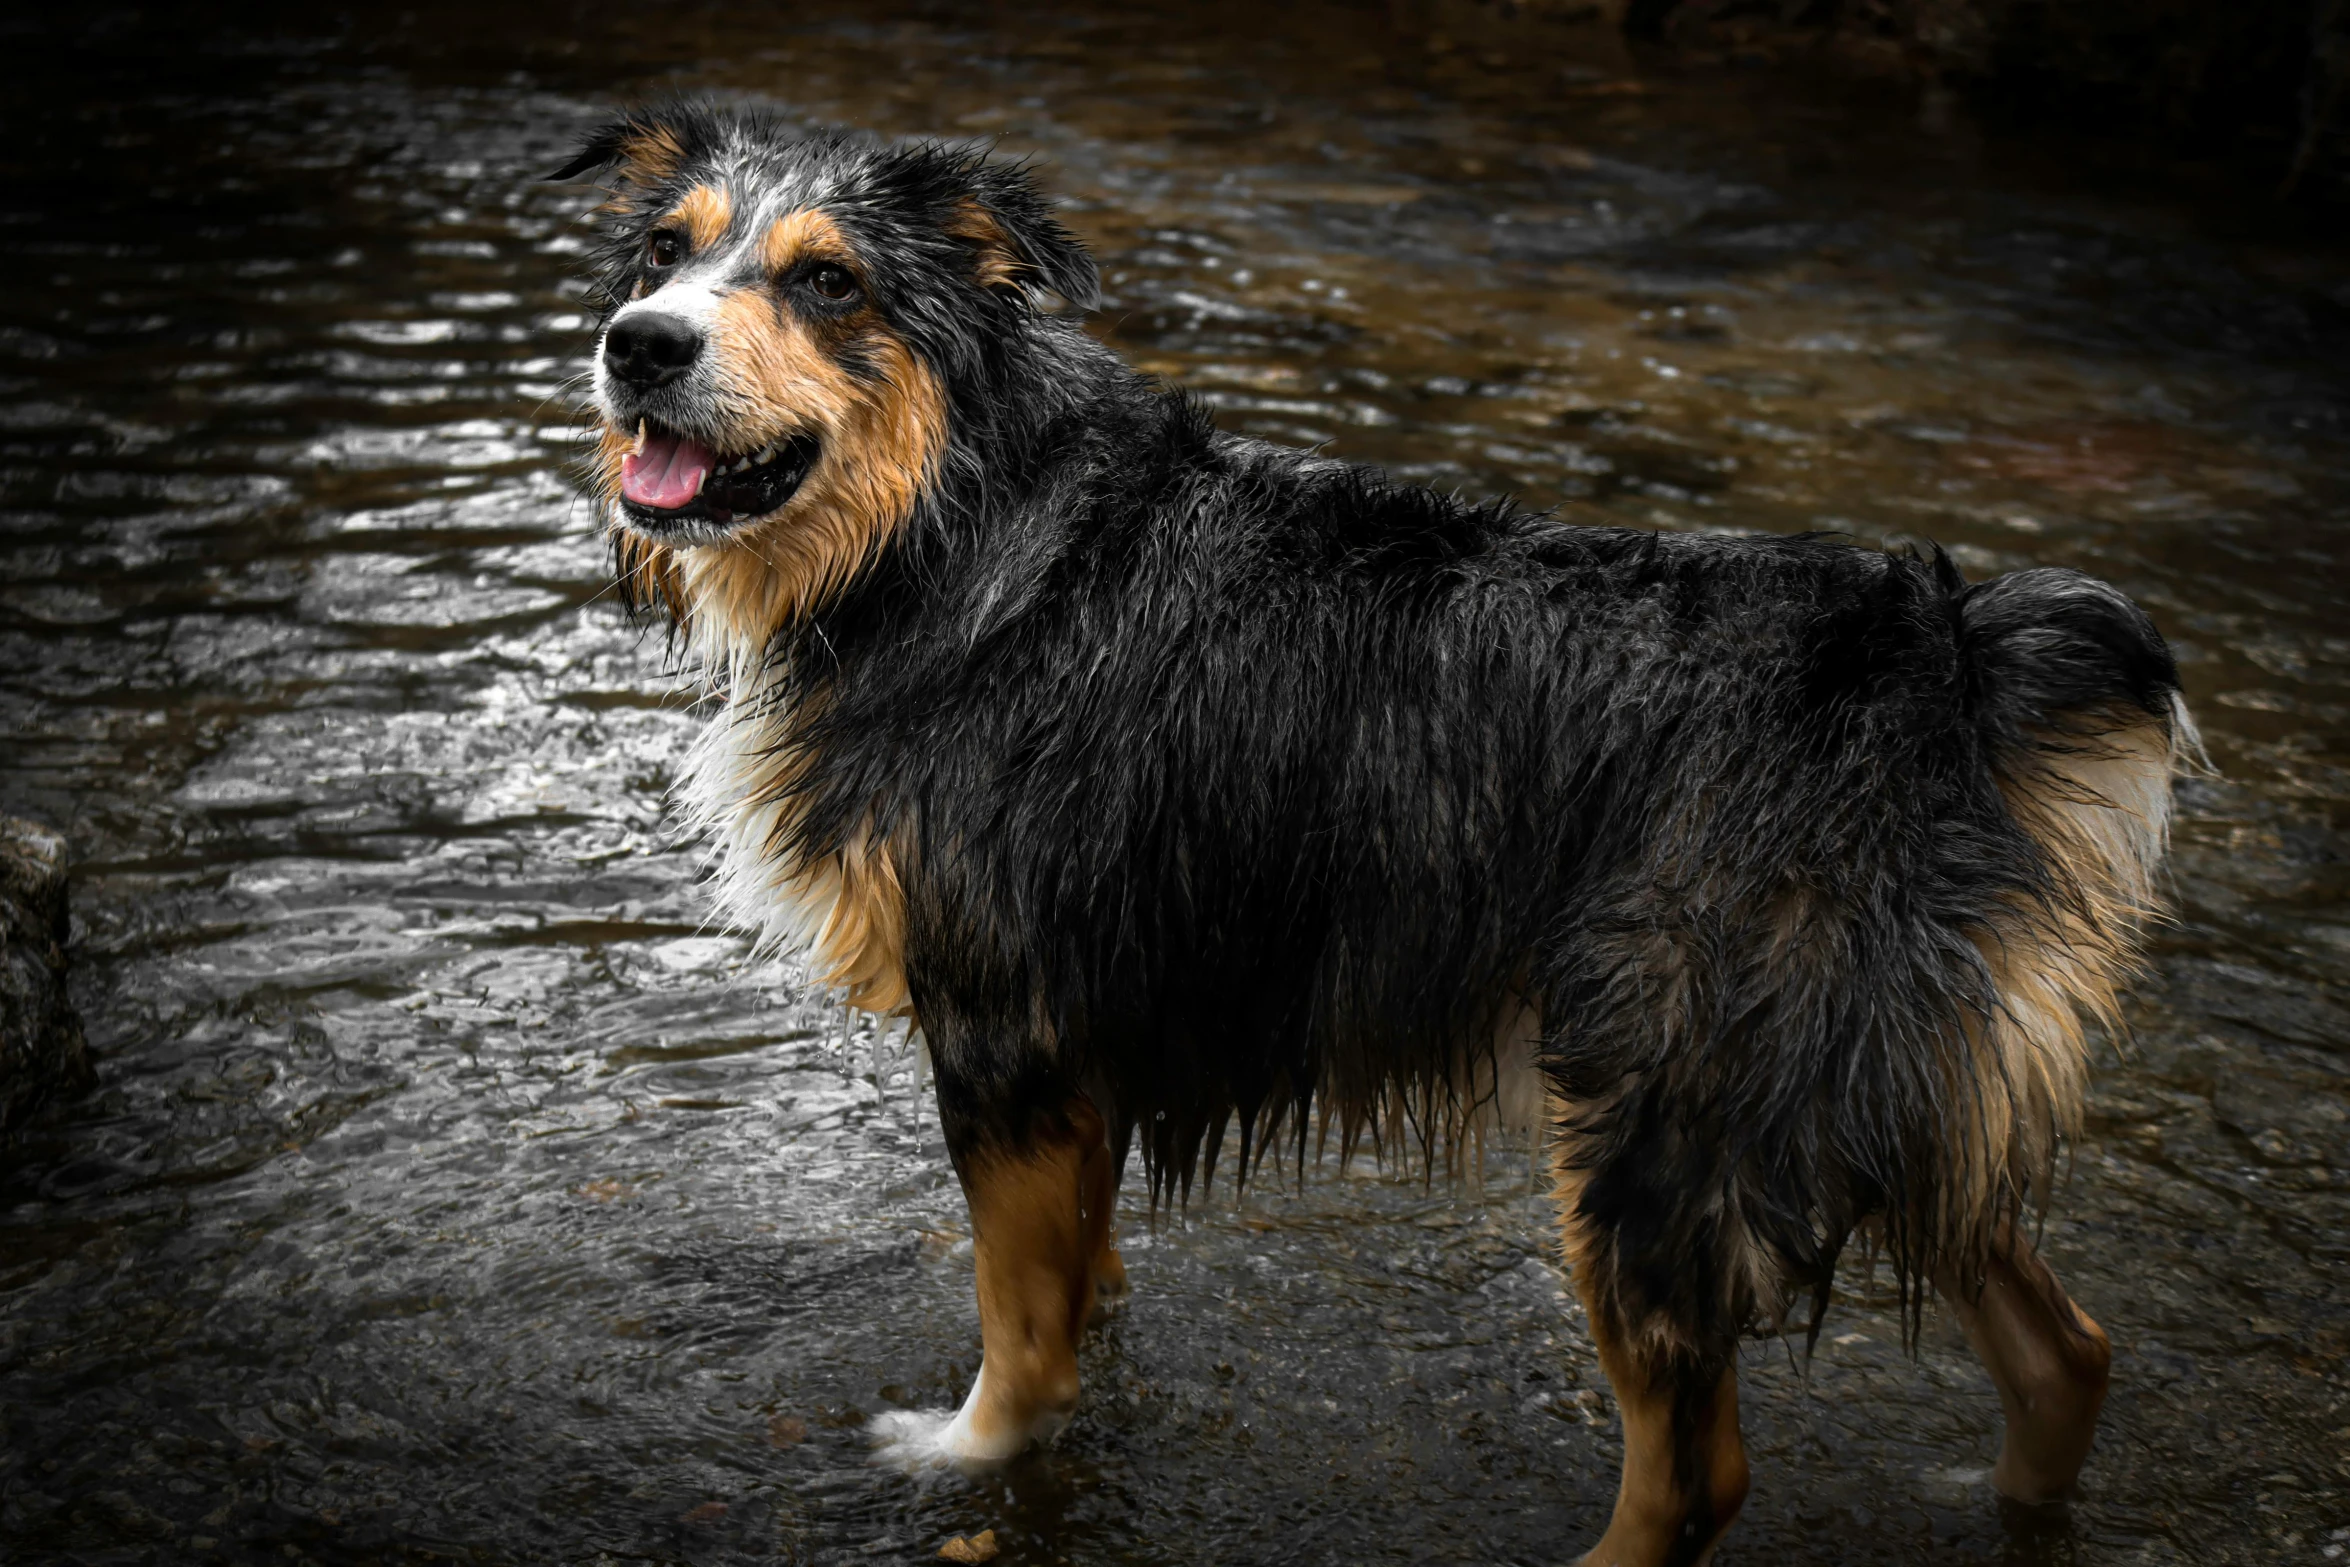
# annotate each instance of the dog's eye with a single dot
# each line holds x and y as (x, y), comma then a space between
(833, 282)
(664, 249)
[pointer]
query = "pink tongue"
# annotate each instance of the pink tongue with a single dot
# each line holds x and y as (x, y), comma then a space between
(667, 473)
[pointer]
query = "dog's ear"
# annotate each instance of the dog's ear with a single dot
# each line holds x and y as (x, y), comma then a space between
(600, 150)
(643, 148)
(1017, 244)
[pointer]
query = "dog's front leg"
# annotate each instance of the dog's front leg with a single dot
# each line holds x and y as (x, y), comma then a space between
(1039, 1221)
(1037, 1177)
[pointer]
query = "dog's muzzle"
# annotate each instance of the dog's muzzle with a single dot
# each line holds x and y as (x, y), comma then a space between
(678, 484)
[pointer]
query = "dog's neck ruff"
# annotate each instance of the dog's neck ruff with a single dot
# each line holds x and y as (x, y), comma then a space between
(840, 909)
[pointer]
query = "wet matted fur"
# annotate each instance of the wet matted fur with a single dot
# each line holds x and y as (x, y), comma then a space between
(1178, 782)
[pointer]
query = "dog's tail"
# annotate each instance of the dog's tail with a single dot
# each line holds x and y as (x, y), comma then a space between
(2077, 698)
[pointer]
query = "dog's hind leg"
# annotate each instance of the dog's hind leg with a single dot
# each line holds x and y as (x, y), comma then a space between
(1684, 1471)
(1684, 1474)
(2048, 1360)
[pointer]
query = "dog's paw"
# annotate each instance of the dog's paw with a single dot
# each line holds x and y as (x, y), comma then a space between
(913, 1439)
(918, 1440)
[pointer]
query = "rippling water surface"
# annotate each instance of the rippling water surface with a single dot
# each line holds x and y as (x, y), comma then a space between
(452, 1192)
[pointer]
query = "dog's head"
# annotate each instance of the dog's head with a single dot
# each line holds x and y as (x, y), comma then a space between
(786, 319)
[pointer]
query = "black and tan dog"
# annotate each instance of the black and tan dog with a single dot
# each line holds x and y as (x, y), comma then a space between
(1175, 781)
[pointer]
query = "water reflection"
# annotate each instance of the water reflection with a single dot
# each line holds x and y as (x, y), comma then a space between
(452, 1191)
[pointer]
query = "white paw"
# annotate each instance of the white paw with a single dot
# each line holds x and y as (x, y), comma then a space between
(917, 1439)
(912, 1439)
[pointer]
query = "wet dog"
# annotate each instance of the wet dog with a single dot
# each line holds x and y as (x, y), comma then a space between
(1178, 783)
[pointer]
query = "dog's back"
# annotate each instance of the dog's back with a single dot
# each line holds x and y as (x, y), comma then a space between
(1808, 862)
(1295, 784)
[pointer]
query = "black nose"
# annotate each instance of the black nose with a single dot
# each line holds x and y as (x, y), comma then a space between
(649, 350)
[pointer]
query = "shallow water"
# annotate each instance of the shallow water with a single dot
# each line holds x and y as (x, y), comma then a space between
(453, 1193)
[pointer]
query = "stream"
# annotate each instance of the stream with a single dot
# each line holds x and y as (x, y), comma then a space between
(454, 1191)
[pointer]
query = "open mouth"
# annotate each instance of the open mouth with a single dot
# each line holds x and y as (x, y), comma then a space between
(672, 479)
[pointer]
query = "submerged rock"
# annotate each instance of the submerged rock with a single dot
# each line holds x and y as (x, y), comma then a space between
(41, 1048)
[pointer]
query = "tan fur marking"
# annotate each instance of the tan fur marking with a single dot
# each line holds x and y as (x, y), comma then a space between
(1039, 1227)
(2096, 799)
(861, 948)
(996, 262)
(1654, 1510)
(655, 152)
(774, 376)
(646, 159)
(704, 213)
(798, 236)
(845, 908)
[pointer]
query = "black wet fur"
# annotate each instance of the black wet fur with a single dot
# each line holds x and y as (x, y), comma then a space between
(1225, 781)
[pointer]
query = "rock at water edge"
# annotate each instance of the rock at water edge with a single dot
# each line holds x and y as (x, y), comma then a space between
(41, 1048)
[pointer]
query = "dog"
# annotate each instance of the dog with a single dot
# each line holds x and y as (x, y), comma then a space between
(1176, 782)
